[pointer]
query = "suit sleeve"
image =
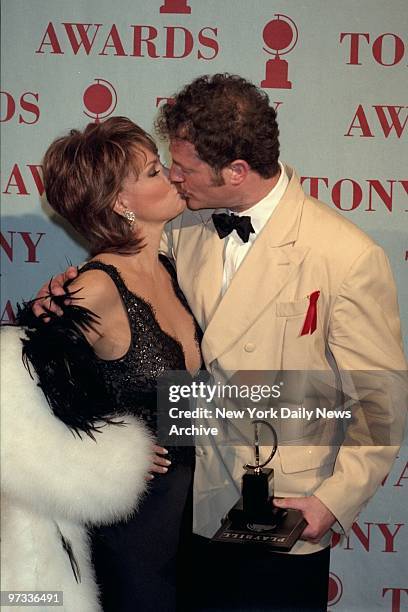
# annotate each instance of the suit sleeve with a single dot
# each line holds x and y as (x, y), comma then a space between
(166, 242)
(54, 472)
(365, 341)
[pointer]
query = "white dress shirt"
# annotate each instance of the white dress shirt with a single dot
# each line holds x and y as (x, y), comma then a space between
(235, 249)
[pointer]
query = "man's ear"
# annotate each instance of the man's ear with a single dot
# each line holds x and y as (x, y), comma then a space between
(238, 170)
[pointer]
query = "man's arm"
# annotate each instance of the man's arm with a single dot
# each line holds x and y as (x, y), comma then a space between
(166, 242)
(365, 340)
(43, 299)
(55, 286)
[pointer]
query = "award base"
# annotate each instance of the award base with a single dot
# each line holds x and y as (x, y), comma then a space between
(280, 532)
(176, 6)
(276, 74)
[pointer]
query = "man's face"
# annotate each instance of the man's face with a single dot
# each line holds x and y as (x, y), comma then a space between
(195, 179)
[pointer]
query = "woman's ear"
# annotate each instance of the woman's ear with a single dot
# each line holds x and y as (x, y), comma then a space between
(122, 210)
(118, 207)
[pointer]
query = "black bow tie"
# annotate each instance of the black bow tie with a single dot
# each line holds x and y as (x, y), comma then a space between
(225, 224)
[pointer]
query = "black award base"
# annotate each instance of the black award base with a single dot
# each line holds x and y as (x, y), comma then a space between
(280, 532)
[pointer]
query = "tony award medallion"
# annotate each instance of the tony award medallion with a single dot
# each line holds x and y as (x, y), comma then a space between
(254, 519)
(280, 34)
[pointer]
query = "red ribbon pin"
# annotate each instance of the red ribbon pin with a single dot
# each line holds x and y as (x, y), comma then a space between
(310, 324)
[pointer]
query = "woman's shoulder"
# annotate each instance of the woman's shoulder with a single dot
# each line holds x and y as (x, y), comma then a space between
(96, 281)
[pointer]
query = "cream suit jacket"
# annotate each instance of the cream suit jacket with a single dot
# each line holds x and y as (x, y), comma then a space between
(256, 325)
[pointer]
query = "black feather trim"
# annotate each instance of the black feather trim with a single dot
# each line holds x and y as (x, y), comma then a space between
(66, 364)
(67, 546)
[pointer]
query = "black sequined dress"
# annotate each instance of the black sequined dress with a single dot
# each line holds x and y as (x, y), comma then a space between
(137, 561)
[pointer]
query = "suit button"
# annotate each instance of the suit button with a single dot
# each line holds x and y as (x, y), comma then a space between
(249, 347)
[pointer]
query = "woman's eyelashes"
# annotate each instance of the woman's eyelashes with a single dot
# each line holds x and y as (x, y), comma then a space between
(158, 167)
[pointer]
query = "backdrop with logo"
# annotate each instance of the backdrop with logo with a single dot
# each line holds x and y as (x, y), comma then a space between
(336, 73)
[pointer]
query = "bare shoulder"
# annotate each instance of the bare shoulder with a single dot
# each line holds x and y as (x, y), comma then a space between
(95, 290)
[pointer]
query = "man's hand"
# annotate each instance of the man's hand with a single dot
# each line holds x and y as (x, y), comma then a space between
(317, 515)
(56, 287)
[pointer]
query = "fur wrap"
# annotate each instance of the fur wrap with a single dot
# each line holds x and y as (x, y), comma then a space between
(55, 483)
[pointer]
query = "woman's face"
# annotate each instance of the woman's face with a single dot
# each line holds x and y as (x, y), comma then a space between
(150, 196)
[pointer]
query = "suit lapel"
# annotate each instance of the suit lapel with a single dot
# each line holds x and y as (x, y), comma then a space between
(271, 263)
(200, 264)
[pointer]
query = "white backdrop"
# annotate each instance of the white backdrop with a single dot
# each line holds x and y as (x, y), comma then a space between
(343, 114)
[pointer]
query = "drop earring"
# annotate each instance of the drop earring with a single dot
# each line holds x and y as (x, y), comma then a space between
(129, 216)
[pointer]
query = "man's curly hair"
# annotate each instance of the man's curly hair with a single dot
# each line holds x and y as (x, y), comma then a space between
(226, 118)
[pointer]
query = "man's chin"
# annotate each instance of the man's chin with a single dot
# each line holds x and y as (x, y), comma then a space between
(196, 204)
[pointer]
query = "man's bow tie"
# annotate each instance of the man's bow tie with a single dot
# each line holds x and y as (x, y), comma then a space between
(225, 224)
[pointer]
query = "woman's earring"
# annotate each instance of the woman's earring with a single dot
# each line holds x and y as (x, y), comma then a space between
(129, 216)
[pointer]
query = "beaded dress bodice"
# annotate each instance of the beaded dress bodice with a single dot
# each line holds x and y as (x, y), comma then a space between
(132, 379)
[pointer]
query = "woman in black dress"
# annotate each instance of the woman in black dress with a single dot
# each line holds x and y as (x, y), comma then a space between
(108, 182)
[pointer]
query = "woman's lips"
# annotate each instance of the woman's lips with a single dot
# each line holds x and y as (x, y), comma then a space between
(184, 195)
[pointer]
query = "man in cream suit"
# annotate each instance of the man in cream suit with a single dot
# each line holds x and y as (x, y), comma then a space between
(252, 285)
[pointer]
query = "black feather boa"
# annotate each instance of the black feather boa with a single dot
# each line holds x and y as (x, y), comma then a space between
(66, 364)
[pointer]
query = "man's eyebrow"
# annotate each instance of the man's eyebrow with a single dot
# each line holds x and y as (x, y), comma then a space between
(179, 164)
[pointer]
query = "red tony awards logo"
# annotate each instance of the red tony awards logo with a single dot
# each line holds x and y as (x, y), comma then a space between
(335, 589)
(100, 100)
(175, 6)
(281, 35)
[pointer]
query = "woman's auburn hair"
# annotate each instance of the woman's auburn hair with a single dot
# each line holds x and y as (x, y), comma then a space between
(84, 173)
